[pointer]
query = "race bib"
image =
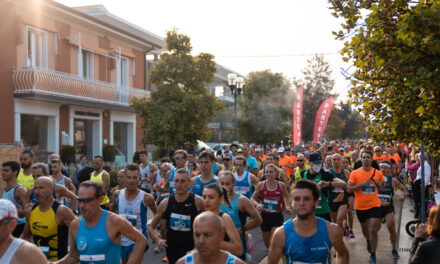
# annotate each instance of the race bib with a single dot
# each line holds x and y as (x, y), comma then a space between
(370, 189)
(164, 195)
(45, 251)
(338, 190)
(270, 205)
(131, 218)
(89, 259)
(242, 189)
(180, 222)
(319, 204)
(385, 199)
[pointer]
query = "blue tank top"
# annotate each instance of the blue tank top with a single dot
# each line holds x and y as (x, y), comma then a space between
(94, 245)
(214, 169)
(313, 249)
(189, 259)
(172, 187)
(243, 184)
(199, 185)
(233, 212)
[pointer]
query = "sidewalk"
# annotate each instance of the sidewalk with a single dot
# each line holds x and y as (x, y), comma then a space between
(358, 247)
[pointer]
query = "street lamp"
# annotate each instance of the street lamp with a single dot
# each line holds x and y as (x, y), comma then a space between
(235, 84)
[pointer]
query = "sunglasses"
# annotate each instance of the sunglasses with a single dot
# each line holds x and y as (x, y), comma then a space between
(179, 158)
(300, 160)
(226, 159)
(85, 200)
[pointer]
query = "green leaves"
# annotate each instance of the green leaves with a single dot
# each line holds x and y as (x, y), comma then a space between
(178, 111)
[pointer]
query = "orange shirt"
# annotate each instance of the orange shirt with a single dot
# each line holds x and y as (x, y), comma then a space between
(366, 197)
(286, 161)
(396, 158)
(380, 158)
(293, 158)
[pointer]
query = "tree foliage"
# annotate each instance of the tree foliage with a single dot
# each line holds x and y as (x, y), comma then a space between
(179, 109)
(265, 108)
(395, 49)
(352, 120)
(335, 125)
(318, 86)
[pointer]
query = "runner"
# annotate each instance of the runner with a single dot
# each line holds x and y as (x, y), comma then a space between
(148, 169)
(160, 182)
(324, 181)
(96, 235)
(301, 166)
(386, 203)
(270, 198)
(15, 250)
(101, 176)
(120, 179)
(132, 203)
(180, 156)
(239, 208)
(251, 162)
(213, 196)
(346, 164)
(307, 238)
(286, 162)
(328, 164)
(208, 237)
(60, 179)
(179, 210)
(270, 159)
(364, 182)
(338, 196)
(378, 155)
(244, 179)
(15, 193)
(228, 163)
(48, 222)
(206, 160)
(25, 176)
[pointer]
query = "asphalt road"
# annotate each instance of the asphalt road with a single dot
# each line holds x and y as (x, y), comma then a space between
(258, 254)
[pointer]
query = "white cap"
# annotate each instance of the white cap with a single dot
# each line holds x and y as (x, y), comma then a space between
(7, 210)
(281, 150)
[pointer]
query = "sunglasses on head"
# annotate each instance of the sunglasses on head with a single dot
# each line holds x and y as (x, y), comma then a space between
(85, 200)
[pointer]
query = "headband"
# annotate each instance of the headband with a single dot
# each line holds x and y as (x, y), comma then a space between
(384, 164)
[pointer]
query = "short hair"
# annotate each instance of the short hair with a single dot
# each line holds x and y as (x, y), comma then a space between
(54, 155)
(99, 189)
(367, 152)
(56, 161)
(13, 165)
(144, 151)
(433, 228)
(227, 173)
(183, 171)
(133, 167)
(306, 184)
(165, 160)
(31, 154)
(348, 159)
(181, 151)
(270, 154)
(193, 163)
(98, 157)
(43, 167)
(167, 164)
(107, 168)
(272, 166)
(207, 154)
(82, 156)
(242, 159)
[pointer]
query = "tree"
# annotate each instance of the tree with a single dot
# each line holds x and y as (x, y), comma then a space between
(395, 50)
(353, 121)
(178, 111)
(318, 86)
(265, 108)
(335, 125)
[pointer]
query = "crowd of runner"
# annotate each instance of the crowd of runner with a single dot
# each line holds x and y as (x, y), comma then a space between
(202, 205)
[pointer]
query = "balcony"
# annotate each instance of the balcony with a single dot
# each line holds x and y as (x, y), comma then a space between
(68, 88)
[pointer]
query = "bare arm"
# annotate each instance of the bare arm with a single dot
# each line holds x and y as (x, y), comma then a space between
(149, 202)
(27, 234)
(64, 216)
(245, 205)
(199, 203)
(105, 181)
(154, 234)
(254, 179)
(20, 197)
(353, 188)
(338, 183)
(276, 246)
(73, 256)
(153, 170)
(140, 242)
(256, 197)
(112, 206)
(60, 190)
(70, 185)
(29, 253)
(234, 246)
(336, 234)
(286, 198)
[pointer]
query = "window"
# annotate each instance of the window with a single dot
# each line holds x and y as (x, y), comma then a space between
(87, 64)
(36, 50)
(122, 71)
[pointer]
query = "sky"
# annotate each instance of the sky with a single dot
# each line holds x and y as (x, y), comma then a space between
(244, 35)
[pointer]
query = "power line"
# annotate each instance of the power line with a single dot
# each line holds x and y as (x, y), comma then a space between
(276, 55)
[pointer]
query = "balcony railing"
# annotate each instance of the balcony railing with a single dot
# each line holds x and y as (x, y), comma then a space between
(32, 80)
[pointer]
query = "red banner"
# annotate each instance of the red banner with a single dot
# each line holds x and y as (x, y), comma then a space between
(322, 118)
(297, 116)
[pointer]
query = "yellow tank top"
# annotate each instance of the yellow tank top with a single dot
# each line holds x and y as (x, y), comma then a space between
(48, 236)
(98, 178)
(26, 180)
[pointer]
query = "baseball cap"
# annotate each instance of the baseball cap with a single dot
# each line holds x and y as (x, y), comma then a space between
(281, 150)
(341, 149)
(315, 157)
(7, 210)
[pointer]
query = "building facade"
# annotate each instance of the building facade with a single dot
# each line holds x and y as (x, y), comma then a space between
(68, 75)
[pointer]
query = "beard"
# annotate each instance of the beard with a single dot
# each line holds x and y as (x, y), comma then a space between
(26, 166)
(305, 215)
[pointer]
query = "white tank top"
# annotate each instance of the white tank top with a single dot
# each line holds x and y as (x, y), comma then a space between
(146, 176)
(10, 252)
(134, 211)
(158, 180)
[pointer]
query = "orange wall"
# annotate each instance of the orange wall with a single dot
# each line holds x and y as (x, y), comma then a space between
(63, 57)
(8, 57)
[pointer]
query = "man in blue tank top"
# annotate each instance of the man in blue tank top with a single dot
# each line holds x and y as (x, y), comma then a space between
(206, 160)
(180, 156)
(208, 235)
(96, 236)
(307, 238)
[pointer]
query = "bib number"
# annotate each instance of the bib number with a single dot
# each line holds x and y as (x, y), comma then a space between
(270, 205)
(95, 259)
(370, 189)
(131, 218)
(319, 204)
(180, 222)
(243, 190)
(385, 199)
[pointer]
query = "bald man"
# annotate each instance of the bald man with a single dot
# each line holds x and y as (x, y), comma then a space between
(208, 234)
(48, 221)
